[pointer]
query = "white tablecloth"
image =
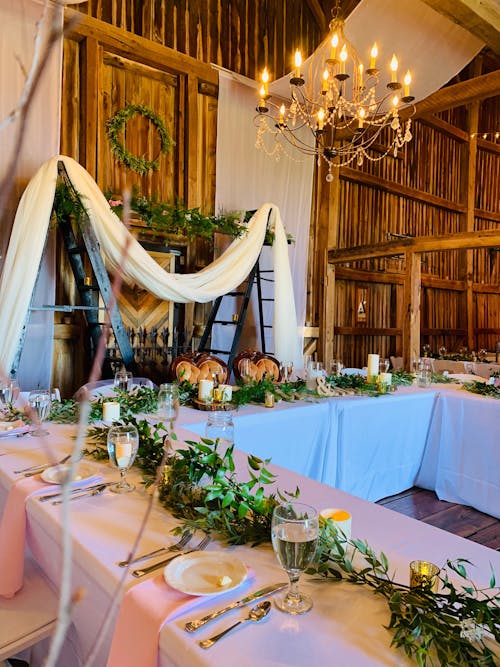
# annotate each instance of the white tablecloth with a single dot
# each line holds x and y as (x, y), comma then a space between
(346, 621)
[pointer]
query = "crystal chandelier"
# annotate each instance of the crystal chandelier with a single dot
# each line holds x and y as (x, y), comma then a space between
(347, 116)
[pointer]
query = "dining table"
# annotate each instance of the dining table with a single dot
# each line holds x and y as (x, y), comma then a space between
(347, 622)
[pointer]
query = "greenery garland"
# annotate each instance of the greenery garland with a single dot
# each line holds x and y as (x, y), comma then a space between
(116, 125)
(200, 488)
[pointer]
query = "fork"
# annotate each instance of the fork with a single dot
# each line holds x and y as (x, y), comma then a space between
(173, 547)
(40, 467)
(199, 547)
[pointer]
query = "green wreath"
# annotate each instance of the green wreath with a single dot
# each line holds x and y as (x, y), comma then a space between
(116, 125)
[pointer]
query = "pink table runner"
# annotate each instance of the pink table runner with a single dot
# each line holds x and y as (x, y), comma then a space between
(13, 535)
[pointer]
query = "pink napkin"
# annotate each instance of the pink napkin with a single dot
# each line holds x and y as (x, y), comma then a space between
(13, 535)
(145, 608)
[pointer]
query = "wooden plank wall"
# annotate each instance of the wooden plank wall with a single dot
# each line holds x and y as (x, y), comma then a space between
(426, 193)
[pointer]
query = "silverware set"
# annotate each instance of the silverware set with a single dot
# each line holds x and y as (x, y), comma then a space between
(183, 542)
(36, 470)
(199, 547)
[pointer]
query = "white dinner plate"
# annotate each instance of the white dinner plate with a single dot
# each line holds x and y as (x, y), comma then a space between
(55, 474)
(202, 573)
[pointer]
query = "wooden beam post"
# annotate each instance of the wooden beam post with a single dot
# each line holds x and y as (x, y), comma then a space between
(469, 220)
(411, 321)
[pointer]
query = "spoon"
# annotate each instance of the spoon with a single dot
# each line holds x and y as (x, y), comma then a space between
(257, 613)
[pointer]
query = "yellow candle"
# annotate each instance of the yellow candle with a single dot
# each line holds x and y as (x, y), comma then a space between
(325, 81)
(282, 114)
(343, 58)
(361, 117)
(298, 63)
(321, 119)
(373, 56)
(335, 42)
(394, 69)
(407, 81)
(265, 81)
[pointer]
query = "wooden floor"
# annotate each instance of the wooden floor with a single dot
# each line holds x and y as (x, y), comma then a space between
(458, 519)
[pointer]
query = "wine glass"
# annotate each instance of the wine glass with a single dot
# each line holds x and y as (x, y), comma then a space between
(123, 442)
(246, 371)
(335, 367)
(442, 352)
(286, 370)
(39, 402)
(123, 380)
(294, 533)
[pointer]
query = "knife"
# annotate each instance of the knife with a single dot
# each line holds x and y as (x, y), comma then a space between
(191, 626)
(151, 568)
(86, 494)
(80, 489)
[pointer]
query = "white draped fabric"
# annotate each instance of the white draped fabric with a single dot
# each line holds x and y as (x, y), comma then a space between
(416, 33)
(228, 271)
(247, 176)
(19, 19)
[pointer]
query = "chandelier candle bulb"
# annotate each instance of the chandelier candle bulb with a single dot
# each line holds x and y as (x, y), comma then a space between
(321, 119)
(394, 69)
(407, 81)
(324, 88)
(343, 58)
(372, 367)
(205, 389)
(265, 81)
(111, 411)
(335, 43)
(298, 63)
(373, 56)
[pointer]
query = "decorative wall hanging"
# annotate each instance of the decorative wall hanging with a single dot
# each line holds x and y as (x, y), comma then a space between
(116, 125)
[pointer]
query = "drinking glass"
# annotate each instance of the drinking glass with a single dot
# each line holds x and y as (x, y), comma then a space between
(335, 366)
(383, 366)
(220, 426)
(442, 352)
(39, 402)
(294, 533)
(245, 371)
(123, 380)
(168, 402)
(424, 372)
(286, 370)
(9, 391)
(123, 442)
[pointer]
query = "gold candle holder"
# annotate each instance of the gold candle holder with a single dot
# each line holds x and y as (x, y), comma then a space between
(424, 574)
(269, 399)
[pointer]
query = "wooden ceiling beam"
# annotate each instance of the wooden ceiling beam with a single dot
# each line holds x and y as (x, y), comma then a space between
(479, 17)
(487, 238)
(319, 14)
(459, 94)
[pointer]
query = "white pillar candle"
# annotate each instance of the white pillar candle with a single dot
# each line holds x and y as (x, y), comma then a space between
(111, 411)
(205, 388)
(372, 370)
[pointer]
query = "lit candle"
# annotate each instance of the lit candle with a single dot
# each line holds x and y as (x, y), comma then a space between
(343, 58)
(361, 117)
(335, 42)
(298, 63)
(394, 69)
(262, 103)
(265, 81)
(321, 119)
(372, 369)
(395, 101)
(386, 379)
(407, 81)
(373, 56)
(360, 73)
(324, 88)
(282, 114)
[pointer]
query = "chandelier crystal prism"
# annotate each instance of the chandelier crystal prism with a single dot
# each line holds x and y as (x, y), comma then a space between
(348, 116)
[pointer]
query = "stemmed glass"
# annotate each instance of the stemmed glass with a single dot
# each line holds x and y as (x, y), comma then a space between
(39, 402)
(286, 370)
(9, 391)
(294, 533)
(123, 442)
(383, 366)
(123, 380)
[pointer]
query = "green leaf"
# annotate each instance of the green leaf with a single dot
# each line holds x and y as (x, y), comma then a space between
(228, 499)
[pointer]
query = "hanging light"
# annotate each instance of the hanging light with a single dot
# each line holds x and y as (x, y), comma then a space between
(350, 113)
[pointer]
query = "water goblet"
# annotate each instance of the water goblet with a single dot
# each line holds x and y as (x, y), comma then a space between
(286, 370)
(442, 352)
(9, 392)
(294, 534)
(123, 380)
(335, 366)
(123, 442)
(39, 402)
(246, 371)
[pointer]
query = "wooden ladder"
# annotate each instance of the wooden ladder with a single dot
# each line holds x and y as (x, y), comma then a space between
(80, 240)
(255, 277)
